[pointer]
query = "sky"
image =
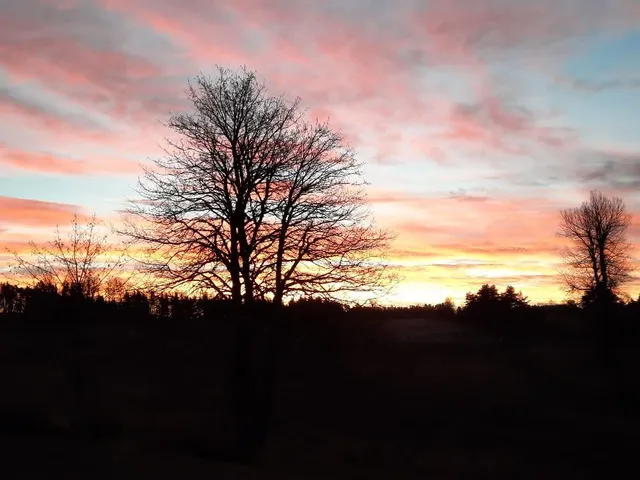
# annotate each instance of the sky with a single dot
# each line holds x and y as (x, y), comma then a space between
(477, 120)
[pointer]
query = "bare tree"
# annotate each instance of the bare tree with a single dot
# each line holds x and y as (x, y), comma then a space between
(326, 243)
(79, 264)
(598, 258)
(114, 289)
(253, 202)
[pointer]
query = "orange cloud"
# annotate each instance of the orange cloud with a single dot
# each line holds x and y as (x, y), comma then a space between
(35, 213)
(460, 241)
(49, 163)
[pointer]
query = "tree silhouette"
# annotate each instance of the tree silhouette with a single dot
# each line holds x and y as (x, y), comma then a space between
(76, 266)
(114, 289)
(11, 298)
(487, 294)
(489, 303)
(253, 202)
(597, 260)
(513, 299)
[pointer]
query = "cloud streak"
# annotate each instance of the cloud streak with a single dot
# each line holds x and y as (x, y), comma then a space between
(35, 213)
(46, 162)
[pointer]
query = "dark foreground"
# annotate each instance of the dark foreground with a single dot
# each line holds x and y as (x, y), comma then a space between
(153, 402)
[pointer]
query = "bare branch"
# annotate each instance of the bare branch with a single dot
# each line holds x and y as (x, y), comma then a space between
(599, 254)
(251, 201)
(80, 264)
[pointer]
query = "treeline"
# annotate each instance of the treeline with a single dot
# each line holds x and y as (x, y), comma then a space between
(45, 302)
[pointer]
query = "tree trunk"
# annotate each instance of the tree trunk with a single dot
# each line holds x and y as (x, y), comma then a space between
(277, 298)
(236, 291)
(248, 282)
(279, 281)
(234, 269)
(253, 377)
(603, 265)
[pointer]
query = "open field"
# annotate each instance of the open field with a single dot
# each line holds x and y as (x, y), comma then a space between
(447, 402)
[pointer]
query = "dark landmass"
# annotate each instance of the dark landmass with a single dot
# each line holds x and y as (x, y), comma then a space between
(319, 392)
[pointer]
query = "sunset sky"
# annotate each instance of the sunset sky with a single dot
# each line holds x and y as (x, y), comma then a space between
(478, 120)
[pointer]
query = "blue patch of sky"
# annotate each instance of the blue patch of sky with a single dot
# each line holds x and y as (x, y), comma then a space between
(101, 195)
(610, 115)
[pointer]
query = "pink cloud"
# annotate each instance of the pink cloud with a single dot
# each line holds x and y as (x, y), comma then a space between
(86, 65)
(49, 124)
(102, 77)
(500, 234)
(368, 67)
(424, 221)
(49, 163)
(35, 213)
(355, 67)
(188, 29)
(52, 131)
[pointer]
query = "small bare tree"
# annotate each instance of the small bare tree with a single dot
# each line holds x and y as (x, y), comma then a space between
(79, 264)
(114, 289)
(252, 202)
(598, 259)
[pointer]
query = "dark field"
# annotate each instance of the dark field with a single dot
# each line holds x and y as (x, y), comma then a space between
(153, 401)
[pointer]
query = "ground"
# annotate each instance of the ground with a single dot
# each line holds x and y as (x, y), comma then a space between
(433, 399)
